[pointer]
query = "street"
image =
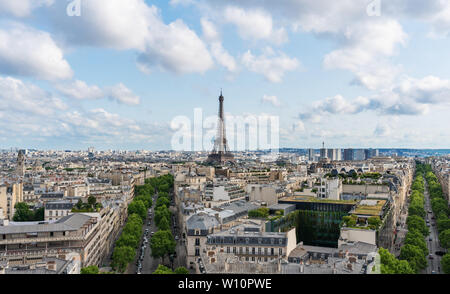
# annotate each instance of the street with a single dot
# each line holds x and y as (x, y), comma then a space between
(150, 264)
(433, 246)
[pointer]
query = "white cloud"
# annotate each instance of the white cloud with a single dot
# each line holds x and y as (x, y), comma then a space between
(429, 89)
(273, 66)
(223, 57)
(80, 90)
(272, 100)
(124, 95)
(383, 130)
(27, 98)
(29, 52)
(132, 24)
(22, 8)
(211, 35)
(366, 47)
(209, 31)
(254, 25)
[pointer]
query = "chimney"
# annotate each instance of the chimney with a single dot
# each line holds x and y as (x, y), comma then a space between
(301, 245)
(302, 267)
(334, 269)
(350, 266)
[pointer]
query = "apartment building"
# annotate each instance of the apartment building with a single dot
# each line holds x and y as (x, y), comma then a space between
(10, 195)
(28, 243)
(250, 243)
(57, 209)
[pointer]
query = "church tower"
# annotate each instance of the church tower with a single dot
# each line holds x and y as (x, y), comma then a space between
(20, 169)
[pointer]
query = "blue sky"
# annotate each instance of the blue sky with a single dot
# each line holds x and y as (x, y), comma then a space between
(118, 74)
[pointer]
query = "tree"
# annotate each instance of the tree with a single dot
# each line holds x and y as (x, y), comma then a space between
(39, 214)
(445, 263)
(127, 240)
(181, 271)
(90, 270)
(122, 256)
(161, 212)
(374, 221)
(391, 265)
(162, 243)
(79, 204)
(414, 237)
(415, 257)
(137, 207)
(162, 270)
(162, 201)
(164, 224)
(92, 201)
(444, 239)
(443, 224)
(23, 213)
(417, 223)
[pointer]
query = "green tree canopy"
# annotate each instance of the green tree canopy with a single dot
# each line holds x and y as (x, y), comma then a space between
(445, 263)
(163, 270)
(122, 256)
(414, 237)
(415, 257)
(90, 270)
(444, 239)
(137, 207)
(181, 271)
(162, 243)
(391, 265)
(164, 224)
(415, 222)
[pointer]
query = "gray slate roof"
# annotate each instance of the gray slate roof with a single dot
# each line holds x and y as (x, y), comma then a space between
(68, 223)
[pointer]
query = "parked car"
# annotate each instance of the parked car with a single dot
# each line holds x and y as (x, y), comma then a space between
(430, 256)
(440, 253)
(430, 239)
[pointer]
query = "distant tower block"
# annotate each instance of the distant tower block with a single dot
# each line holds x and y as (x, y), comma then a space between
(20, 169)
(220, 153)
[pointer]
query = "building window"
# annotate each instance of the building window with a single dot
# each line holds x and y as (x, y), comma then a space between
(241, 250)
(247, 250)
(272, 251)
(253, 250)
(51, 234)
(265, 259)
(228, 249)
(197, 241)
(280, 251)
(197, 252)
(50, 213)
(234, 250)
(265, 251)
(259, 251)
(253, 259)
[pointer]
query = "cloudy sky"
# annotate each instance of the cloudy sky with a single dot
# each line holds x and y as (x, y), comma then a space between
(118, 74)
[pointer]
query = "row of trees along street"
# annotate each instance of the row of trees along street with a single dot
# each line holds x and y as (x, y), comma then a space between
(126, 246)
(440, 209)
(163, 243)
(414, 251)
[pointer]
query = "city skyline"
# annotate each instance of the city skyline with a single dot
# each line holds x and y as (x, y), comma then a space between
(332, 72)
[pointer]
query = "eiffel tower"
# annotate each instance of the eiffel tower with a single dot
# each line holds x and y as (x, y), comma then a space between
(220, 154)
